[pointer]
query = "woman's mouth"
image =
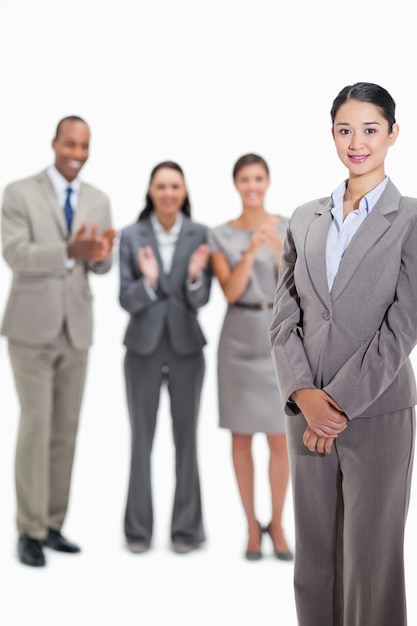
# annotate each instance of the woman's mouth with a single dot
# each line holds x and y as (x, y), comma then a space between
(358, 158)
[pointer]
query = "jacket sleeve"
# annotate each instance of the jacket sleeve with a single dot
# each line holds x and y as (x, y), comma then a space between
(374, 367)
(291, 364)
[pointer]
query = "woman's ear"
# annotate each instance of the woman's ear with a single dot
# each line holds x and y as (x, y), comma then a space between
(394, 134)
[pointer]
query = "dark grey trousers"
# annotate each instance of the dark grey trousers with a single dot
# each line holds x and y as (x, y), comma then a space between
(350, 511)
(144, 376)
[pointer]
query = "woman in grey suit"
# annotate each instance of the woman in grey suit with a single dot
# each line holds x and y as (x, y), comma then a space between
(344, 326)
(164, 278)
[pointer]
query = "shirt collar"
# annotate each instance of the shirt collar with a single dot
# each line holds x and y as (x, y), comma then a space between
(160, 230)
(367, 203)
(60, 184)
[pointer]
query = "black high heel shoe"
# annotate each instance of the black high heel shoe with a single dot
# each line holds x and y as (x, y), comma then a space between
(282, 555)
(254, 555)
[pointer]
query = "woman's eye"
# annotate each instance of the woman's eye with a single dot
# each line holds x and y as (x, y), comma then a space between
(370, 131)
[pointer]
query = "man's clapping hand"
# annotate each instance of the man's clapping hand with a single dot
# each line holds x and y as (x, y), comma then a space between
(93, 247)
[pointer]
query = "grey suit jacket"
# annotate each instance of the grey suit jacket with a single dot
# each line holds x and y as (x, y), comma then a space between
(44, 293)
(176, 305)
(354, 342)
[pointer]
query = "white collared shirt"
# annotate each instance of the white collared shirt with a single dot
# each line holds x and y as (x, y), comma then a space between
(166, 240)
(60, 185)
(342, 231)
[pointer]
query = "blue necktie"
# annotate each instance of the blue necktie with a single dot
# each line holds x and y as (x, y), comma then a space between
(68, 210)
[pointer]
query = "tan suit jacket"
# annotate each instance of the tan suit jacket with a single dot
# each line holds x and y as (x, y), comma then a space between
(44, 293)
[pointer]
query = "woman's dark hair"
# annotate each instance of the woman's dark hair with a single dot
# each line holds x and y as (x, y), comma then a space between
(367, 92)
(249, 159)
(149, 207)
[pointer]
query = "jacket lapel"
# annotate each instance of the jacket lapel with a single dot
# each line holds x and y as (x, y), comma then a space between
(51, 201)
(82, 213)
(374, 226)
(182, 245)
(315, 251)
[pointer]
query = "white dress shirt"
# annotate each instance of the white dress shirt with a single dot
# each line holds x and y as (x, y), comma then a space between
(167, 242)
(60, 185)
(342, 231)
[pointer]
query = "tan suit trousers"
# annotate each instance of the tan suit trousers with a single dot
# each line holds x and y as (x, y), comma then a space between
(49, 382)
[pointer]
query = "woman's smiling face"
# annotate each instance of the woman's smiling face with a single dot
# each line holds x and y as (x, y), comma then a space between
(362, 137)
(167, 191)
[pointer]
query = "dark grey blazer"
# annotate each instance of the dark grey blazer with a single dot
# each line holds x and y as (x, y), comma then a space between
(176, 305)
(354, 342)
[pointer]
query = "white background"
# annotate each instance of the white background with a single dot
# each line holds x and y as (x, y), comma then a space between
(199, 83)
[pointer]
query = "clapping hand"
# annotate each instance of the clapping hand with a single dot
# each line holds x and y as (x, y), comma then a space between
(148, 265)
(198, 262)
(93, 247)
(272, 237)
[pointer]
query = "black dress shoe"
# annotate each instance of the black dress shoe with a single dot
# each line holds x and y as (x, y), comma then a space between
(30, 551)
(56, 541)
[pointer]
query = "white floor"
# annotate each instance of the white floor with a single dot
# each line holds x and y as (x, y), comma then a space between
(105, 585)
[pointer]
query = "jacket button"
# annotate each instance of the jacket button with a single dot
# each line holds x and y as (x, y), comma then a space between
(326, 315)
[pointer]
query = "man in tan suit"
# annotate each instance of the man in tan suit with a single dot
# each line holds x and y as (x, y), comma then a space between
(55, 229)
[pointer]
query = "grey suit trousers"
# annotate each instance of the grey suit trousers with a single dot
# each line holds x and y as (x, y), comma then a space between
(144, 376)
(350, 509)
(49, 381)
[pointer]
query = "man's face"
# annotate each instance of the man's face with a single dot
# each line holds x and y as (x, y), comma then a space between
(71, 148)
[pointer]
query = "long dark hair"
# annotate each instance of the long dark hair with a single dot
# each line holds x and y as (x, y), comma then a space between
(149, 207)
(367, 92)
(249, 159)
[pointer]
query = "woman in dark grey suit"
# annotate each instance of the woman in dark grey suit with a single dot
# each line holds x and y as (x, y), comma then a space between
(165, 277)
(344, 327)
